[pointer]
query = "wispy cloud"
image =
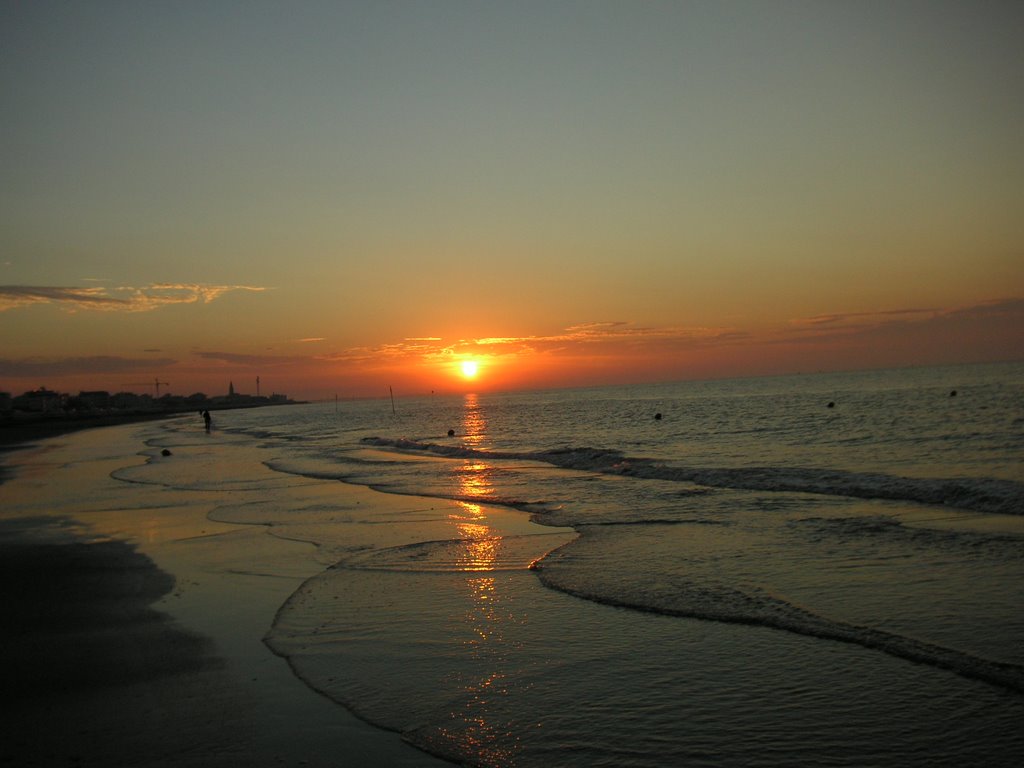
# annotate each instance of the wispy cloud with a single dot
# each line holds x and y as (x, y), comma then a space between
(269, 361)
(864, 318)
(70, 366)
(875, 324)
(906, 333)
(997, 308)
(620, 334)
(115, 298)
(13, 296)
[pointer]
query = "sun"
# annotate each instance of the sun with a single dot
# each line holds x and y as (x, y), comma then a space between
(470, 368)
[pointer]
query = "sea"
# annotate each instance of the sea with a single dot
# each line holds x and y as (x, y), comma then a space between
(810, 570)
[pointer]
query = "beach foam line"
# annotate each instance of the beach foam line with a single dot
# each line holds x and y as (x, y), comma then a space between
(984, 495)
(729, 605)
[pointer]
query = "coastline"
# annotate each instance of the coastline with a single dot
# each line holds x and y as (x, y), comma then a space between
(18, 428)
(137, 623)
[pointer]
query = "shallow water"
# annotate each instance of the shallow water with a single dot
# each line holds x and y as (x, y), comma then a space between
(756, 578)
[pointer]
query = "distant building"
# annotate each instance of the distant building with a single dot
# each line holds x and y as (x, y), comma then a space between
(97, 401)
(40, 400)
(45, 405)
(131, 401)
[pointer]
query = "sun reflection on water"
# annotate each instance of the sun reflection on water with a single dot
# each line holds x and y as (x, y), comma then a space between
(486, 615)
(474, 425)
(481, 544)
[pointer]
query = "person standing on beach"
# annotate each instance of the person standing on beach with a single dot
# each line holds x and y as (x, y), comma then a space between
(206, 418)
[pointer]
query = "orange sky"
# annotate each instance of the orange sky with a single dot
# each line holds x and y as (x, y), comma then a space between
(340, 198)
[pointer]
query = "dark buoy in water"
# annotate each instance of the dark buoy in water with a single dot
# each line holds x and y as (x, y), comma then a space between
(451, 433)
(657, 417)
(831, 404)
(953, 393)
(165, 452)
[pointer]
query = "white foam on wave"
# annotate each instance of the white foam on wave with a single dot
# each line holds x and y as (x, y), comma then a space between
(855, 567)
(987, 495)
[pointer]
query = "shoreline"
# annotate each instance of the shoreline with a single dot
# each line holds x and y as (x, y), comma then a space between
(16, 431)
(137, 623)
(24, 434)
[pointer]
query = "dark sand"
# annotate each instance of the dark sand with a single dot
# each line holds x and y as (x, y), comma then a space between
(15, 432)
(94, 676)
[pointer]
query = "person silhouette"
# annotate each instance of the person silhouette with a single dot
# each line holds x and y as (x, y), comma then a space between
(206, 418)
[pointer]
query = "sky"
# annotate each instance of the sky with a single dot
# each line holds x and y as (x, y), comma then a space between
(342, 197)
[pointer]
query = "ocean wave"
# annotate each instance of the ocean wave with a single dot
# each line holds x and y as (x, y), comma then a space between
(985, 495)
(345, 473)
(1003, 547)
(733, 605)
(488, 554)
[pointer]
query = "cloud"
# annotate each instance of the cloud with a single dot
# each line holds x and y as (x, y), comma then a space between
(617, 333)
(1003, 308)
(269, 361)
(984, 331)
(861, 321)
(987, 330)
(862, 318)
(116, 298)
(591, 335)
(69, 366)
(12, 296)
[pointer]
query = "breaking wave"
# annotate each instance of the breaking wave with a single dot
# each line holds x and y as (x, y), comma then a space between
(984, 495)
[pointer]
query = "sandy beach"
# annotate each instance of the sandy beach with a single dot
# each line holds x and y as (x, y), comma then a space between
(135, 625)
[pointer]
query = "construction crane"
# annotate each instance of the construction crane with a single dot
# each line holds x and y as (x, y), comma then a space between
(156, 383)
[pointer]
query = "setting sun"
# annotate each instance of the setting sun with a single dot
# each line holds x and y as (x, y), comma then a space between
(470, 368)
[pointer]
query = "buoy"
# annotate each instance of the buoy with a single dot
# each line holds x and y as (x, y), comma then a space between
(657, 417)
(831, 404)
(166, 452)
(953, 393)
(451, 433)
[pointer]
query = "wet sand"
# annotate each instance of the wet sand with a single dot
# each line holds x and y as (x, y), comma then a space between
(96, 675)
(134, 625)
(16, 432)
